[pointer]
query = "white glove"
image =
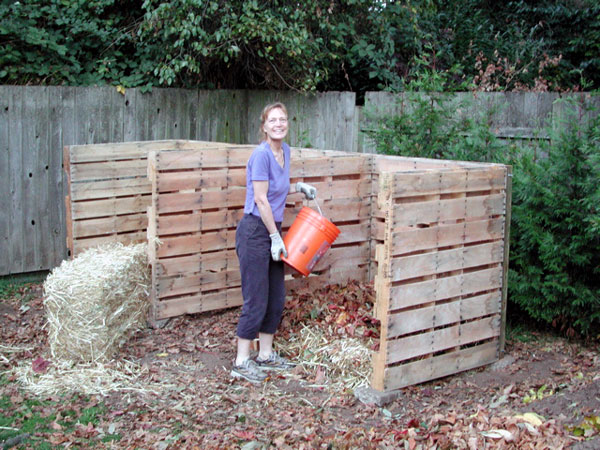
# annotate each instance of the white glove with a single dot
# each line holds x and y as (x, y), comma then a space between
(310, 192)
(277, 247)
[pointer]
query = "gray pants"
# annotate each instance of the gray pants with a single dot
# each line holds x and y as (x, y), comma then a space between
(263, 289)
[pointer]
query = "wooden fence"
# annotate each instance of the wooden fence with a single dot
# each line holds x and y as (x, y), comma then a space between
(37, 122)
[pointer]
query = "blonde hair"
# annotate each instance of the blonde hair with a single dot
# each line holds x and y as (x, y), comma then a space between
(263, 118)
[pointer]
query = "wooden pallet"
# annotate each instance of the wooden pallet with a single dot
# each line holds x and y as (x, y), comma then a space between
(109, 192)
(197, 200)
(441, 268)
(433, 235)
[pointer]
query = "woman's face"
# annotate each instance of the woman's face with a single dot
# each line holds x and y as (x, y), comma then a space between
(276, 125)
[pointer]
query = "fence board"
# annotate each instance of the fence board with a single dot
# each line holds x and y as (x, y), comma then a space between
(19, 238)
(98, 115)
(5, 200)
(35, 178)
(93, 115)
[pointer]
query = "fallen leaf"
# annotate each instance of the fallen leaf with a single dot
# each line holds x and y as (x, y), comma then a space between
(40, 365)
(532, 418)
(499, 434)
(247, 435)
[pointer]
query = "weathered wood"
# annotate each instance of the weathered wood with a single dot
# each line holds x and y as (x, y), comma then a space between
(505, 262)
(439, 262)
(411, 321)
(443, 235)
(5, 199)
(439, 366)
(442, 339)
(408, 295)
(19, 239)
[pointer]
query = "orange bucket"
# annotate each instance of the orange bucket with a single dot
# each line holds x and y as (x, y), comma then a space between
(308, 239)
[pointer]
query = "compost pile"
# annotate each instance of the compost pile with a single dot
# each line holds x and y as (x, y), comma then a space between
(332, 333)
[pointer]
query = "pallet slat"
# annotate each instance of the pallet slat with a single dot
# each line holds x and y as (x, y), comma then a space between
(426, 212)
(444, 235)
(413, 294)
(440, 366)
(407, 322)
(438, 262)
(445, 338)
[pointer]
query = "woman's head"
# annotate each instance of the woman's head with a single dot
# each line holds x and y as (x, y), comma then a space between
(273, 122)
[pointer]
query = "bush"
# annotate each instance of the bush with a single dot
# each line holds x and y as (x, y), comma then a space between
(426, 122)
(554, 274)
(555, 236)
(73, 42)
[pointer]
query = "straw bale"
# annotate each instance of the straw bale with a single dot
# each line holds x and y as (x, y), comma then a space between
(95, 301)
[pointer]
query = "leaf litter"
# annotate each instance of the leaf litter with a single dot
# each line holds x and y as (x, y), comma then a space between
(196, 404)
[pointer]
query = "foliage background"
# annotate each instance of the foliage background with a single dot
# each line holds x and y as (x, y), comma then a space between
(431, 46)
(356, 45)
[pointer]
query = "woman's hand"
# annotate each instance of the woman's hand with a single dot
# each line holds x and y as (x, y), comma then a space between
(277, 247)
(310, 192)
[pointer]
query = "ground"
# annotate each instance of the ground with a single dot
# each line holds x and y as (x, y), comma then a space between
(544, 393)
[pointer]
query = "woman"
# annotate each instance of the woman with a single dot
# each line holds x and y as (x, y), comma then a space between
(259, 247)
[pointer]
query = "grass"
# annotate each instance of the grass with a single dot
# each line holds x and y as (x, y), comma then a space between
(518, 331)
(12, 285)
(27, 419)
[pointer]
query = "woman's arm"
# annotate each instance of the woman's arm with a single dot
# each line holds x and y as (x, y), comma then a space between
(262, 203)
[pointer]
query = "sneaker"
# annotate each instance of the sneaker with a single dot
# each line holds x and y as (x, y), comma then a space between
(275, 362)
(249, 371)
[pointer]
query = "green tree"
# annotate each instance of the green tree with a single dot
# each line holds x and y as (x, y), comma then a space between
(67, 41)
(555, 231)
(428, 122)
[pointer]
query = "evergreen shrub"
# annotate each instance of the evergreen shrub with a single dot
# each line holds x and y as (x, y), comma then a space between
(554, 269)
(555, 231)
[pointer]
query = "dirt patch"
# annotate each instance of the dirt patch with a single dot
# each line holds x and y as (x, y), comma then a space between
(200, 406)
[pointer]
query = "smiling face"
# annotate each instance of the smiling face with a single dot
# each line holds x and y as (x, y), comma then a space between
(275, 125)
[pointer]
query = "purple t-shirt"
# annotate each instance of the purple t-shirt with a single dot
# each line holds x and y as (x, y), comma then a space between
(262, 166)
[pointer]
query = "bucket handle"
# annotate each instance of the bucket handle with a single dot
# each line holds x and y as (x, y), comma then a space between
(315, 200)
